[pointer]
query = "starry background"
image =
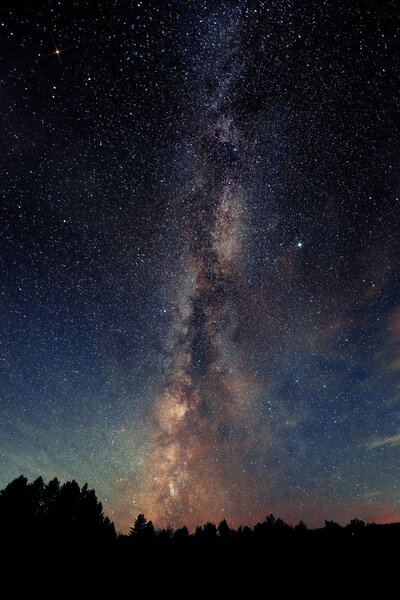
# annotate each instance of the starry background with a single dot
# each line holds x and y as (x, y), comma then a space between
(200, 256)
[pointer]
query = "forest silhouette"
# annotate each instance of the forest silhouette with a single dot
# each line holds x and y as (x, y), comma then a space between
(54, 521)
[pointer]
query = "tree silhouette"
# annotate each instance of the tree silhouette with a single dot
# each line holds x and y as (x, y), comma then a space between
(143, 531)
(47, 514)
(224, 531)
(356, 527)
(300, 528)
(181, 536)
(15, 508)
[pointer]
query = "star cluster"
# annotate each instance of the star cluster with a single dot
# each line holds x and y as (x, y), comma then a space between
(200, 216)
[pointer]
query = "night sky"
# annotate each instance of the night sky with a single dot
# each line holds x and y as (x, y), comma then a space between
(200, 270)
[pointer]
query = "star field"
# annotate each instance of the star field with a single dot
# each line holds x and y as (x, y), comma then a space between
(200, 266)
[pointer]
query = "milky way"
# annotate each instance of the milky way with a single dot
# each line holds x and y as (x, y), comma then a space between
(202, 425)
(201, 266)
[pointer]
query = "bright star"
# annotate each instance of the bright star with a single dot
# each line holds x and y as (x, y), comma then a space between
(57, 51)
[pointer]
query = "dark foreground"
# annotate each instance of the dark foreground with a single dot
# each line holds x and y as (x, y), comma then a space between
(59, 533)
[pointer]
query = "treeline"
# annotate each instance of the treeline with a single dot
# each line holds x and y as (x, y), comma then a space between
(66, 517)
(52, 512)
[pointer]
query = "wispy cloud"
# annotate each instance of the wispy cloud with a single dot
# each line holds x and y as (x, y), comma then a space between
(394, 329)
(373, 494)
(394, 440)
